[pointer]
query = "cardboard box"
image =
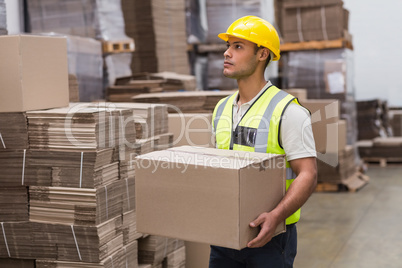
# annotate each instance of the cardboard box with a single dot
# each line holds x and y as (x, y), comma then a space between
(191, 129)
(33, 73)
(313, 21)
(328, 133)
(299, 93)
(207, 195)
(335, 76)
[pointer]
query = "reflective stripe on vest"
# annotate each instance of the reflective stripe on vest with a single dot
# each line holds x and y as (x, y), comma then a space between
(220, 110)
(263, 128)
(274, 102)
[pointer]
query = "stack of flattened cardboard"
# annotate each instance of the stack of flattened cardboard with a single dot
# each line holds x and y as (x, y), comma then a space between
(186, 102)
(69, 168)
(17, 263)
(387, 148)
(309, 20)
(78, 206)
(170, 31)
(127, 87)
(138, 21)
(127, 187)
(73, 88)
(153, 249)
(396, 122)
(370, 118)
(76, 199)
(3, 18)
(151, 123)
(159, 29)
(76, 243)
(13, 131)
(176, 82)
(150, 119)
(126, 155)
(125, 257)
(142, 265)
(148, 123)
(122, 93)
(12, 166)
(129, 227)
(164, 141)
(78, 125)
(176, 259)
(14, 203)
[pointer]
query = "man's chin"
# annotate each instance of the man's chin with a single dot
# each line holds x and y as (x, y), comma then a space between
(228, 75)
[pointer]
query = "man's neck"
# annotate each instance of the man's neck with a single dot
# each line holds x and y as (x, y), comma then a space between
(249, 88)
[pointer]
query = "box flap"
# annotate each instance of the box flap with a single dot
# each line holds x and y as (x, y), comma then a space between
(208, 157)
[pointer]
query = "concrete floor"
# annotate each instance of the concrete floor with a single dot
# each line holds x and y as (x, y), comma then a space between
(361, 229)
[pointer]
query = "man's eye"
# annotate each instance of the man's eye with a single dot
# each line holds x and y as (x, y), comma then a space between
(238, 46)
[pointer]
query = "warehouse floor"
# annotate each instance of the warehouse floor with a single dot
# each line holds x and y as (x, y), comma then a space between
(361, 229)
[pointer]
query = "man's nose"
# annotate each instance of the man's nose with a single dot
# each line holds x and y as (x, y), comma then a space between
(227, 53)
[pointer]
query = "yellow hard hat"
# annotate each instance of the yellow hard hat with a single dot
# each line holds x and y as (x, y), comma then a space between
(256, 30)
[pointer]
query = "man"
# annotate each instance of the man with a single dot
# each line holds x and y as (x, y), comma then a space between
(262, 118)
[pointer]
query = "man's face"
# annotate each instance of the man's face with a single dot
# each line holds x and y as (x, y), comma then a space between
(240, 58)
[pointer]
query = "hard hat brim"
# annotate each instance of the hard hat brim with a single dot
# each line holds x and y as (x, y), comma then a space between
(223, 36)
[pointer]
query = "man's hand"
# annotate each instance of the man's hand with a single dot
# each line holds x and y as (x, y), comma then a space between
(268, 226)
(297, 194)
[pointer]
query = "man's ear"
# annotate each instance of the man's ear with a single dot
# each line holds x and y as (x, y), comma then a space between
(264, 54)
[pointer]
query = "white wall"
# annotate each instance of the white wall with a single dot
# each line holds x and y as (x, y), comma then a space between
(14, 24)
(377, 39)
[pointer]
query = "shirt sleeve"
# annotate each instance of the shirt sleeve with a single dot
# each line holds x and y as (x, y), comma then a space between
(296, 133)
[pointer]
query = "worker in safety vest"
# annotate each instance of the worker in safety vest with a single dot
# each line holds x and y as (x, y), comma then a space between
(262, 118)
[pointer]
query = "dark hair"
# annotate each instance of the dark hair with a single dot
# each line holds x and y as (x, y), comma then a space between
(256, 48)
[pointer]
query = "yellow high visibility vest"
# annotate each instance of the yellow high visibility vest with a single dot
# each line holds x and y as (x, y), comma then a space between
(258, 129)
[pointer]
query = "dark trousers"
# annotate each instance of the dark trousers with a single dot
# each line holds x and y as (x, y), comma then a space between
(280, 252)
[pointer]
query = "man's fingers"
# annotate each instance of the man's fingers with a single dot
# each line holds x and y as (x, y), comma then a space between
(257, 222)
(258, 241)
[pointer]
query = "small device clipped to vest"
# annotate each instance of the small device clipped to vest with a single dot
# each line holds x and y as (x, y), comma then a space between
(244, 136)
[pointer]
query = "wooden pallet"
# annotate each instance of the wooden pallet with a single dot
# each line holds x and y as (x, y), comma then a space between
(382, 161)
(314, 45)
(121, 46)
(352, 184)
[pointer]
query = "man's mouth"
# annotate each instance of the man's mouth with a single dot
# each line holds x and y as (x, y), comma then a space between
(227, 63)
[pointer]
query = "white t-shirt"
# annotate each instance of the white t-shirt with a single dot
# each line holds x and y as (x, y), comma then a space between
(296, 133)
